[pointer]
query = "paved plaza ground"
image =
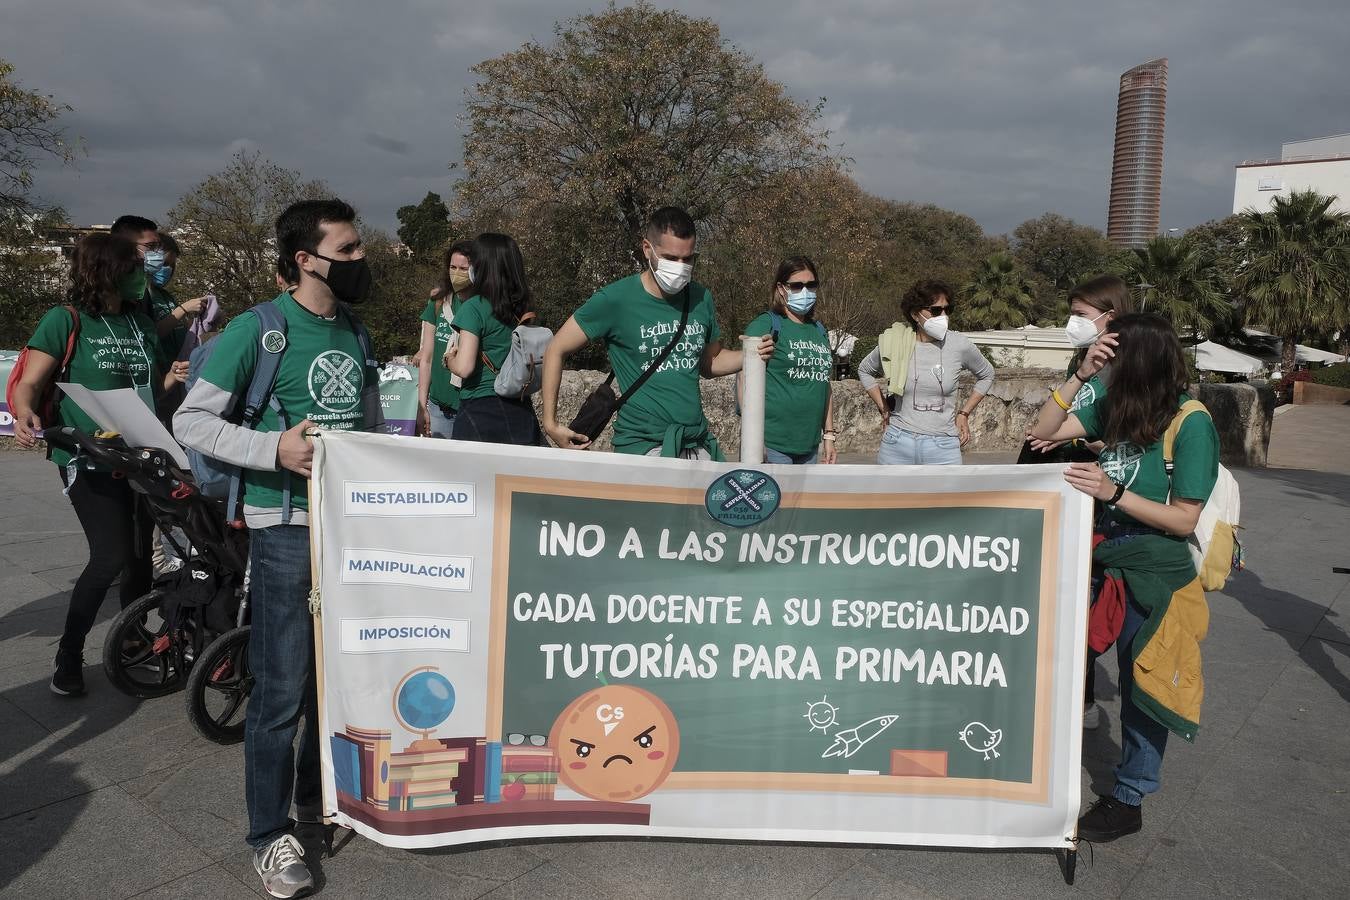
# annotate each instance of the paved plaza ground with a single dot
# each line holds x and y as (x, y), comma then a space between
(108, 797)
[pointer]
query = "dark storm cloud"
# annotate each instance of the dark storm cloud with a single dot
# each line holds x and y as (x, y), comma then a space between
(999, 110)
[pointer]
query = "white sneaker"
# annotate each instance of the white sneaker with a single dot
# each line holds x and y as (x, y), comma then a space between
(284, 874)
(1092, 716)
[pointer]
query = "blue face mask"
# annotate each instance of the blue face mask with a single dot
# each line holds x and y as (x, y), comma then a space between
(154, 259)
(801, 302)
(161, 275)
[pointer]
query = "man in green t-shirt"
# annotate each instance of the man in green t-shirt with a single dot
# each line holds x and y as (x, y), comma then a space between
(637, 317)
(325, 380)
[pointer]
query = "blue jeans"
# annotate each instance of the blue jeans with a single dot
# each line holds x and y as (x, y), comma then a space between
(440, 423)
(789, 459)
(281, 655)
(1143, 740)
(905, 448)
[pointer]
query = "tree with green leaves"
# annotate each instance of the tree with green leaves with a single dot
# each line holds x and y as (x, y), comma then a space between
(1058, 253)
(1297, 269)
(573, 143)
(227, 226)
(998, 296)
(425, 227)
(29, 133)
(1183, 285)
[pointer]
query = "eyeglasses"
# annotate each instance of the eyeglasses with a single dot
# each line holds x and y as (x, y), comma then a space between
(796, 286)
(150, 245)
(534, 740)
(938, 310)
(931, 405)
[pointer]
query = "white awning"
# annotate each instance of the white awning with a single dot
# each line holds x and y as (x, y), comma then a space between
(1212, 357)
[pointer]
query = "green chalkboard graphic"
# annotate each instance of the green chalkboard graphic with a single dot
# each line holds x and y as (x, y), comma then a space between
(859, 659)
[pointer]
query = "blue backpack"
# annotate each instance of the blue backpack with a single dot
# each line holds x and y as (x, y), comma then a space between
(224, 480)
(776, 322)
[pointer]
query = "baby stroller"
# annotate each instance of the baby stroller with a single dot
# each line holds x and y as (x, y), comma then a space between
(191, 628)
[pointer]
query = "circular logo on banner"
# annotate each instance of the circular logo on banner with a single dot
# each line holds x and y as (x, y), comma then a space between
(335, 381)
(274, 341)
(742, 498)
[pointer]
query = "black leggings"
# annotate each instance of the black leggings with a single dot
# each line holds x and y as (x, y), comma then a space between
(119, 533)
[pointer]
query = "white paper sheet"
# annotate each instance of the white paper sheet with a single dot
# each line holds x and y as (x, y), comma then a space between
(124, 412)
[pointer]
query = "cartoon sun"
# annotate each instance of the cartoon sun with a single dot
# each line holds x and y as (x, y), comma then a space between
(615, 743)
(821, 714)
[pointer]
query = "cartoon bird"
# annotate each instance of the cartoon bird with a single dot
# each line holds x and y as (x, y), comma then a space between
(851, 740)
(981, 738)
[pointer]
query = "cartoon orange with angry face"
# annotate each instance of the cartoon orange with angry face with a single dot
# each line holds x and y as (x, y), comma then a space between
(615, 743)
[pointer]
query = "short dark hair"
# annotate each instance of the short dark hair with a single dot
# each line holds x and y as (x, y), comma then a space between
(922, 294)
(299, 228)
(785, 270)
(670, 220)
(170, 244)
(132, 226)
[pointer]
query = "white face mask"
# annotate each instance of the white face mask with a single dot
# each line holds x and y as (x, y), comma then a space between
(1082, 331)
(936, 327)
(671, 276)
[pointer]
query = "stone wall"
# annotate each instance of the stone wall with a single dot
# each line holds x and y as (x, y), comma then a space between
(998, 422)
(1242, 413)
(1309, 392)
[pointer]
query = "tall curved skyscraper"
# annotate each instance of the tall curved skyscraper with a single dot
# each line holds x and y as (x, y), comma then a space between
(1136, 168)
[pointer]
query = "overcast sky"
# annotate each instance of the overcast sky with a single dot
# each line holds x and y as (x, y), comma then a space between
(1000, 110)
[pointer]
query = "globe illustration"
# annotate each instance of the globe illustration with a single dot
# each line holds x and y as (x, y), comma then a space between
(425, 699)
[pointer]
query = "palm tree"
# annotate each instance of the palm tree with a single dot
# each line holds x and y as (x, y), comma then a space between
(1182, 284)
(999, 295)
(1296, 269)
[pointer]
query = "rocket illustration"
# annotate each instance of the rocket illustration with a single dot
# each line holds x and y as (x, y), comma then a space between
(851, 740)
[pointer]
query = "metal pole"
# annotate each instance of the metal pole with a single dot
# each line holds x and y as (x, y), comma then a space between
(752, 404)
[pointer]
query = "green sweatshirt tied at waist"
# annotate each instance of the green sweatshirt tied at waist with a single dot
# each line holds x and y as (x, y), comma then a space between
(643, 432)
(1160, 575)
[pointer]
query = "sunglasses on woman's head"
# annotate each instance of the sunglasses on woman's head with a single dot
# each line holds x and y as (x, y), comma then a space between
(796, 286)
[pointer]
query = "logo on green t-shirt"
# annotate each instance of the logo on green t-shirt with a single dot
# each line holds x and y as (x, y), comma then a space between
(274, 341)
(335, 381)
(742, 498)
(1121, 462)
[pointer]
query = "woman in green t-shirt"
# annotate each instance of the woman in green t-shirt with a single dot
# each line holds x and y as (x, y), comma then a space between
(1140, 543)
(116, 347)
(1093, 305)
(485, 324)
(797, 384)
(437, 387)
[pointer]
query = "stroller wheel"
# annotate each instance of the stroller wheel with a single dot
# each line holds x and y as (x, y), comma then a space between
(142, 656)
(218, 688)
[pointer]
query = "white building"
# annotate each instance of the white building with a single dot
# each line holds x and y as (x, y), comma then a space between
(1027, 347)
(1320, 164)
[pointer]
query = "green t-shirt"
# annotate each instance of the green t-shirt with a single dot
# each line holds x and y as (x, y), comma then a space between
(322, 378)
(494, 339)
(441, 390)
(1088, 394)
(636, 327)
(162, 304)
(113, 351)
(1141, 469)
(797, 386)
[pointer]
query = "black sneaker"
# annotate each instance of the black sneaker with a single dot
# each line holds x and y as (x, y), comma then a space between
(1108, 819)
(68, 679)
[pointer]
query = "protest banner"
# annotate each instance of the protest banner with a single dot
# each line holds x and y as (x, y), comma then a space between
(398, 397)
(518, 642)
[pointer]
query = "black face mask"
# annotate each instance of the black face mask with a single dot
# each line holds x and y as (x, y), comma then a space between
(348, 279)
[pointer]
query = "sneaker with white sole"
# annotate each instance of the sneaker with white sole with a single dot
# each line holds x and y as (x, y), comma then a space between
(1092, 717)
(283, 872)
(68, 674)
